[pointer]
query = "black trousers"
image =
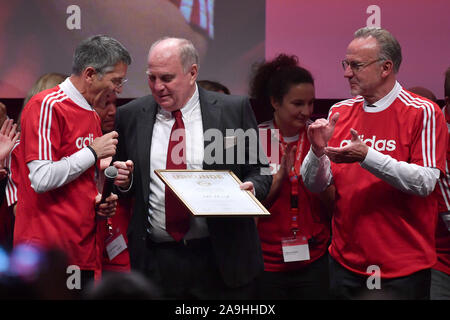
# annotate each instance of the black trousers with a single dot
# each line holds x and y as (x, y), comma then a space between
(345, 284)
(308, 283)
(189, 271)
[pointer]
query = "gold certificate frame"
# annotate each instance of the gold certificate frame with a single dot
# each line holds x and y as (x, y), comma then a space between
(211, 193)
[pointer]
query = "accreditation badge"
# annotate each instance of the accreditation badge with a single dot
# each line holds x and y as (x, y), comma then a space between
(115, 244)
(295, 248)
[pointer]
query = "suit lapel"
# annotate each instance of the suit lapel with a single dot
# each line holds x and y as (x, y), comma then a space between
(211, 115)
(144, 138)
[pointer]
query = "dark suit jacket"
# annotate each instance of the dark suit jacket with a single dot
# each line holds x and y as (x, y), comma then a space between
(235, 240)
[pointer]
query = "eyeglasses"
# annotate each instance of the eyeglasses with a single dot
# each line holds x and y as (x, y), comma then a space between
(357, 66)
(119, 82)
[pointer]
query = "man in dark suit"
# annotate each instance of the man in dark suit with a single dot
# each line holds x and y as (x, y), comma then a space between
(217, 257)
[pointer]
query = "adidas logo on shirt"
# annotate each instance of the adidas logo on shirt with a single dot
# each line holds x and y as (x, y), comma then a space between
(379, 145)
(82, 142)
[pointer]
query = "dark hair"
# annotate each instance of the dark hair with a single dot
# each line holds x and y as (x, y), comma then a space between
(447, 83)
(213, 86)
(274, 79)
(123, 286)
(424, 92)
(99, 52)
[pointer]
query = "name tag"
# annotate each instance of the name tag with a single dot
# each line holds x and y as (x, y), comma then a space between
(115, 246)
(295, 249)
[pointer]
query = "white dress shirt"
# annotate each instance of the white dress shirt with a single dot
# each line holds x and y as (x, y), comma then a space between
(162, 128)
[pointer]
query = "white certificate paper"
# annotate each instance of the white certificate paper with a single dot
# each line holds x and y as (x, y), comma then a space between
(211, 193)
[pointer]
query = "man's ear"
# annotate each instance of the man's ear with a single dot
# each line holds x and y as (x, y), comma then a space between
(88, 74)
(388, 68)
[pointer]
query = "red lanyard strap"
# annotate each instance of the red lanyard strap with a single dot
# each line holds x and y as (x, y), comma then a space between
(294, 175)
(109, 226)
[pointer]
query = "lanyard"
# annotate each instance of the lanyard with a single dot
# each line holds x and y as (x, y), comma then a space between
(294, 175)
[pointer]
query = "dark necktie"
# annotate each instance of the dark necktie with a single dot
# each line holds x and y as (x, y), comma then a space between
(177, 216)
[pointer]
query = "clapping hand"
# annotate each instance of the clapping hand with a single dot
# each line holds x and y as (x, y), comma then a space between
(320, 132)
(355, 151)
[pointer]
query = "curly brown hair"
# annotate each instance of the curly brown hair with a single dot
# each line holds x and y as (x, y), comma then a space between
(275, 78)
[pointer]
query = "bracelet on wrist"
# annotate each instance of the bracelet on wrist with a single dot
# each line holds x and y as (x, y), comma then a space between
(93, 152)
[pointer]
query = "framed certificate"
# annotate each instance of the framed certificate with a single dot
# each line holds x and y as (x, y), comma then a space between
(212, 193)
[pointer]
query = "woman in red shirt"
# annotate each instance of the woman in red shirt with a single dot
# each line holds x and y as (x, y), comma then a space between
(295, 237)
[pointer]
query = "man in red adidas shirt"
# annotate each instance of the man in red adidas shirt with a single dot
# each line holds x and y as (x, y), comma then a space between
(385, 161)
(61, 142)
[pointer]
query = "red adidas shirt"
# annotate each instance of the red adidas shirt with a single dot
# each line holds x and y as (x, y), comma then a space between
(53, 127)
(313, 223)
(442, 233)
(373, 222)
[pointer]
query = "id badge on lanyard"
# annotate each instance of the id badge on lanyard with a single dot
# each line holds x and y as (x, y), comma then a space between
(295, 247)
(115, 242)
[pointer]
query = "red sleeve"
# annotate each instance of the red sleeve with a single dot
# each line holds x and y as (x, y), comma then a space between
(430, 140)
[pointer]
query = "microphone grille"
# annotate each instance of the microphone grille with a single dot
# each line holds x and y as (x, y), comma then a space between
(111, 172)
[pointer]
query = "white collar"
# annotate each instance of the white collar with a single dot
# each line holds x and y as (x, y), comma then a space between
(69, 89)
(384, 102)
(286, 139)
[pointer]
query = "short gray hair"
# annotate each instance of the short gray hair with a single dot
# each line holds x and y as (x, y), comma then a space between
(101, 53)
(389, 47)
(187, 52)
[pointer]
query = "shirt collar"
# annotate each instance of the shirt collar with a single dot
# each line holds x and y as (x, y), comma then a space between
(384, 102)
(187, 109)
(286, 139)
(69, 89)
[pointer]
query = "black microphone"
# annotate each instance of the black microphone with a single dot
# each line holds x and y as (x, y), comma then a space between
(110, 174)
